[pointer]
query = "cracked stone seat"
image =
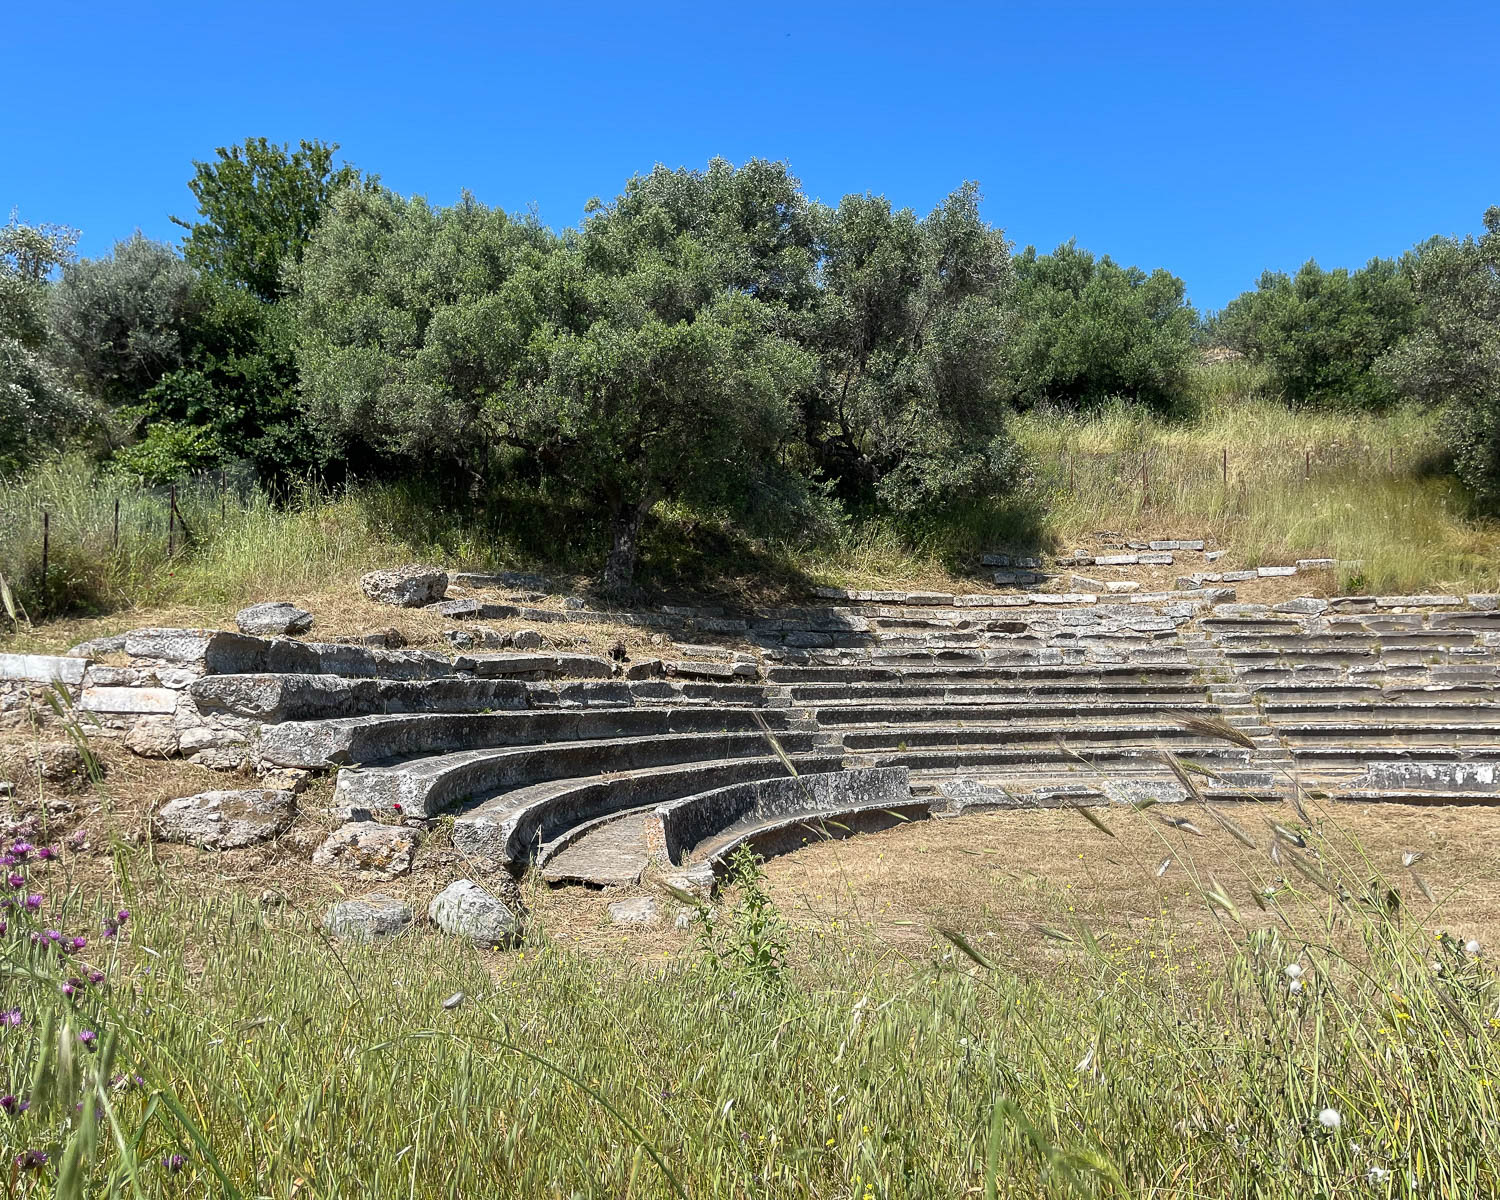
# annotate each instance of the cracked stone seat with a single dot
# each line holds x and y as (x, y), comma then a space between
(512, 826)
(374, 739)
(424, 787)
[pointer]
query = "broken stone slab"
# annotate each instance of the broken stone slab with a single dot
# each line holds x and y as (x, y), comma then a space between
(1428, 777)
(1484, 603)
(373, 916)
(43, 668)
(1237, 576)
(1155, 560)
(927, 598)
(1214, 555)
(1308, 606)
(368, 850)
(274, 618)
(1065, 598)
(696, 882)
(129, 700)
(648, 668)
(1018, 578)
(226, 820)
(1025, 562)
(1191, 544)
(982, 601)
(1082, 583)
(687, 669)
(502, 666)
(1315, 564)
(639, 911)
(1116, 560)
(1121, 586)
(464, 909)
(469, 610)
(95, 647)
(1275, 572)
(406, 587)
(515, 580)
(1417, 601)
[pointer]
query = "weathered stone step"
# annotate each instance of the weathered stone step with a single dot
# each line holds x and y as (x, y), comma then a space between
(689, 828)
(1014, 715)
(426, 786)
(1402, 733)
(898, 673)
(1359, 757)
(1094, 758)
(772, 836)
(1169, 695)
(1017, 734)
(273, 698)
(506, 829)
(383, 739)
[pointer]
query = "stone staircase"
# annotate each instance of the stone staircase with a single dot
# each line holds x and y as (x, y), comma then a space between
(888, 708)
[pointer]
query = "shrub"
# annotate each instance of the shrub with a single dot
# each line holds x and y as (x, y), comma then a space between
(1453, 354)
(1320, 333)
(1088, 330)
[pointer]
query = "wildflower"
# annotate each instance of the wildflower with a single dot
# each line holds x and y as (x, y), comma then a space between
(1294, 987)
(69, 989)
(4, 928)
(1331, 1119)
(173, 1163)
(78, 943)
(33, 903)
(89, 1039)
(21, 850)
(47, 854)
(17, 882)
(10, 1017)
(32, 1160)
(1294, 971)
(78, 840)
(11, 1106)
(8, 860)
(1471, 948)
(122, 916)
(96, 976)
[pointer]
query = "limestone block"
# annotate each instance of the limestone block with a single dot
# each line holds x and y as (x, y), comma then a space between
(406, 587)
(368, 850)
(464, 909)
(374, 916)
(226, 820)
(274, 618)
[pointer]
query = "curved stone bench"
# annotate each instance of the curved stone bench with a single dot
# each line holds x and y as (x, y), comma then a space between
(293, 697)
(677, 828)
(509, 829)
(426, 786)
(900, 737)
(1031, 758)
(1017, 714)
(376, 739)
(783, 836)
(1175, 694)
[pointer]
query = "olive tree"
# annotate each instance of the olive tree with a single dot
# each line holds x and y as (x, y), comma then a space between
(906, 408)
(1452, 356)
(620, 359)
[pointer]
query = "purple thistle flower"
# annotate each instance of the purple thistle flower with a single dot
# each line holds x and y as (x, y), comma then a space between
(8, 860)
(16, 881)
(33, 903)
(32, 1160)
(52, 936)
(4, 928)
(173, 1163)
(10, 1106)
(69, 990)
(88, 1037)
(122, 916)
(11, 1018)
(78, 839)
(21, 850)
(77, 943)
(96, 976)
(48, 854)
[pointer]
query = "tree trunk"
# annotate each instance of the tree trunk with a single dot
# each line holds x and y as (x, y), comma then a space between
(625, 532)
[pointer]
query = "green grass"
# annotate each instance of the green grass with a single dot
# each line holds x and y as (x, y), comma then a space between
(281, 1064)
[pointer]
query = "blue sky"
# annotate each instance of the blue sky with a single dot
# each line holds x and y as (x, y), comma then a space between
(1213, 139)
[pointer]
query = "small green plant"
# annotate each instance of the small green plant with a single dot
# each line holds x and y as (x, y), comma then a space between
(752, 940)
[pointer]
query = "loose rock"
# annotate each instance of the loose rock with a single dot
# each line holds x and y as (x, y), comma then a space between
(368, 850)
(273, 619)
(406, 587)
(374, 916)
(642, 910)
(226, 820)
(464, 909)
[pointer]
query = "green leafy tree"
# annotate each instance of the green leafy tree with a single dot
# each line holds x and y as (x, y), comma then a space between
(120, 322)
(1321, 332)
(37, 407)
(1088, 330)
(1452, 356)
(258, 204)
(906, 407)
